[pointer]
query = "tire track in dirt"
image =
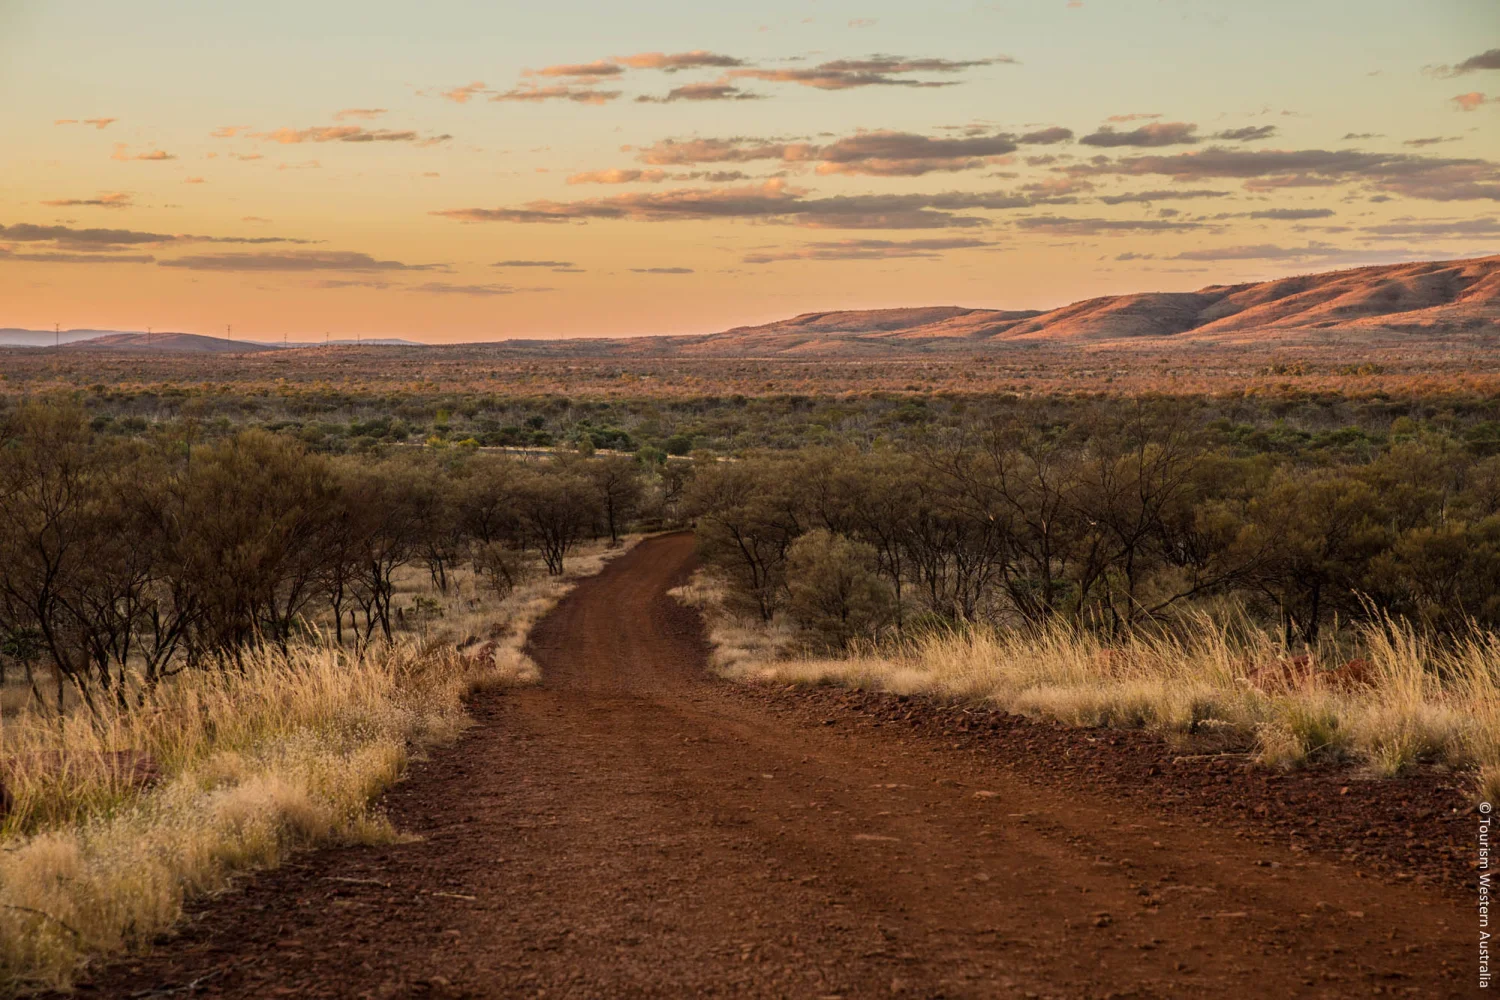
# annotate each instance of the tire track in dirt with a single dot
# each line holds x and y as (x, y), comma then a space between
(633, 828)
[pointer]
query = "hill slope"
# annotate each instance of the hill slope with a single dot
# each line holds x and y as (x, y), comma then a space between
(1421, 301)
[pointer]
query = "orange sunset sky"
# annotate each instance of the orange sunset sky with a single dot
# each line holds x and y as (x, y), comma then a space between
(455, 171)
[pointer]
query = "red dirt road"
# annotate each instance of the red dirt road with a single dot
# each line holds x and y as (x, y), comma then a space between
(632, 828)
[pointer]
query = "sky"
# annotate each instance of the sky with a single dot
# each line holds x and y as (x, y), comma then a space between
(456, 171)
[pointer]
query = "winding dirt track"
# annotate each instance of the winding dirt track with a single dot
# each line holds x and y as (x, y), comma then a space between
(632, 828)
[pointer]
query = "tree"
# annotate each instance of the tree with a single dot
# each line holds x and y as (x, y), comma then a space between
(834, 589)
(618, 491)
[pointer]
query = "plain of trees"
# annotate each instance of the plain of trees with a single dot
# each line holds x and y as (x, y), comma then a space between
(138, 557)
(181, 543)
(1117, 517)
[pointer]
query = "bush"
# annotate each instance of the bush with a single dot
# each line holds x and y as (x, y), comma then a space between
(835, 591)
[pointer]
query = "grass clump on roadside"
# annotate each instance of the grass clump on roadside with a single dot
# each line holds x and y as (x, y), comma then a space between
(286, 750)
(1395, 698)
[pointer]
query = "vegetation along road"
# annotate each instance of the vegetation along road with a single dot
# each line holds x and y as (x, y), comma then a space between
(633, 827)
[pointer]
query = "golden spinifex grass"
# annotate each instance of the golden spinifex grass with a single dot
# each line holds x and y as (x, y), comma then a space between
(286, 751)
(1415, 699)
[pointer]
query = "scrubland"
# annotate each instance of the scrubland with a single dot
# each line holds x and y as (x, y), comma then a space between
(286, 750)
(1386, 699)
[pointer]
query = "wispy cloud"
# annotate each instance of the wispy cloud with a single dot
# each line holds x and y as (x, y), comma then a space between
(1408, 174)
(362, 114)
(1066, 226)
(866, 250)
(122, 152)
(561, 92)
(344, 133)
(1250, 133)
(875, 71)
(598, 69)
(96, 122)
(618, 177)
(661, 270)
(671, 63)
(773, 201)
(701, 92)
(1154, 134)
(108, 199)
(1472, 101)
(447, 288)
(56, 257)
(294, 260)
(465, 93)
(1489, 59)
(1161, 194)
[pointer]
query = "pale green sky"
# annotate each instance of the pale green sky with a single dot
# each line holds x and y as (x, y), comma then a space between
(1305, 122)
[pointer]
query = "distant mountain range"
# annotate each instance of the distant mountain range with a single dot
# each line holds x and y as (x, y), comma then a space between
(1401, 303)
(1391, 304)
(135, 340)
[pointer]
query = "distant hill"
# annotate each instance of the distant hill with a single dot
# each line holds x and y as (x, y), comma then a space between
(1400, 302)
(135, 340)
(1392, 304)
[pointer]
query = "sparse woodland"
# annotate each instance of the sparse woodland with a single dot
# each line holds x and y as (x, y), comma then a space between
(223, 629)
(1128, 567)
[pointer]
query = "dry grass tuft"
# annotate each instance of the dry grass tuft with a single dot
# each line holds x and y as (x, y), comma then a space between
(1407, 700)
(288, 752)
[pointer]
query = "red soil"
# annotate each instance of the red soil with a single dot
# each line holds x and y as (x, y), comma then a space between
(633, 828)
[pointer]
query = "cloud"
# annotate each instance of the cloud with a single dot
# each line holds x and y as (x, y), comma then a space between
(876, 154)
(1154, 134)
(561, 92)
(1160, 194)
(672, 152)
(702, 92)
(228, 131)
(863, 22)
(1046, 136)
(1265, 252)
(83, 239)
(554, 264)
(343, 133)
(96, 240)
(866, 250)
(618, 177)
(76, 258)
(1133, 117)
(1250, 133)
(661, 270)
(1363, 135)
(599, 68)
(1408, 174)
(1472, 101)
(905, 154)
(293, 260)
(1065, 226)
(447, 288)
(773, 201)
(96, 122)
(1292, 214)
(1431, 140)
(194, 180)
(875, 71)
(122, 152)
(1485, 60)
(1403, 228)
(462, 95)
(363, 114)
(109, 199)
(696, 59)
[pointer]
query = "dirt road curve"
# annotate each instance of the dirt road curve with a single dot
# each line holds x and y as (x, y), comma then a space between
(633, 829)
